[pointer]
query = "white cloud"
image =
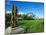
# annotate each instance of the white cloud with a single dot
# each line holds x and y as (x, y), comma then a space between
(42, 16)
(38, 16)
(8, 11)
(21, 13)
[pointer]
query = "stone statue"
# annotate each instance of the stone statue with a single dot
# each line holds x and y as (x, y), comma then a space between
(14, 17)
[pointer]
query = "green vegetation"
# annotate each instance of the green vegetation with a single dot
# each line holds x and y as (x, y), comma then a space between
(32, 25)
(28, 23)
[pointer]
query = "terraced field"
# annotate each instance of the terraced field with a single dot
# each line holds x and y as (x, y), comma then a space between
(32, 26)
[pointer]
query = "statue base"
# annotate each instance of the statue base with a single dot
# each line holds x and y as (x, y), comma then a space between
(16, 30)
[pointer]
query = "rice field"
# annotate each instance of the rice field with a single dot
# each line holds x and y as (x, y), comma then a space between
(32, 26)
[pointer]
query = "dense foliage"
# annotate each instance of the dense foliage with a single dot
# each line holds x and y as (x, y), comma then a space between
(7, 20)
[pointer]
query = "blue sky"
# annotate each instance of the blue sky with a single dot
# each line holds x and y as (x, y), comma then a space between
(36, 8)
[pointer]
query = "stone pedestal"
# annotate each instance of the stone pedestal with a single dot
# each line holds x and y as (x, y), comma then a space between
(17, 30)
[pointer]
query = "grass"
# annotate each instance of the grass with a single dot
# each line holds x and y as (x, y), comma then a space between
(31, 26)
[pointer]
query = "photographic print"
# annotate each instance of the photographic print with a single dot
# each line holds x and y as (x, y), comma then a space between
(24, 17)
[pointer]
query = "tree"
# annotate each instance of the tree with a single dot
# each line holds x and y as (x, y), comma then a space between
(28, 16)
(7, 20)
